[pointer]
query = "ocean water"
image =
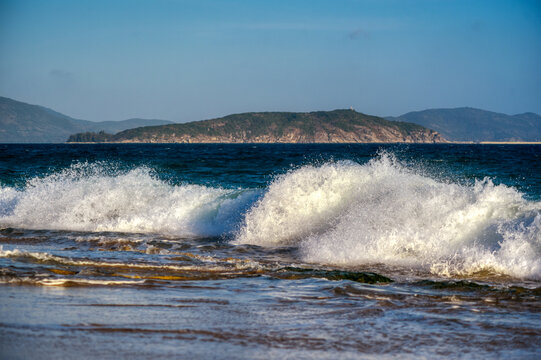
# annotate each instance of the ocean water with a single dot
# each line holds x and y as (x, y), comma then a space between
(270, 251)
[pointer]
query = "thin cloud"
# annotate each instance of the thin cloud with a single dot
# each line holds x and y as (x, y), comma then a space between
(358, 33)
(61, 74)
(477, 26)
(280, 26)
(367, 26)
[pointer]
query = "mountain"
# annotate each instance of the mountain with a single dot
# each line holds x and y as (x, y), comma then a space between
(338, 126)
(469, 124)
(25, 123)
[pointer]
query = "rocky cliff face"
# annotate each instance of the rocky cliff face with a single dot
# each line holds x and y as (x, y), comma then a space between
(296, 135)
(339, 126)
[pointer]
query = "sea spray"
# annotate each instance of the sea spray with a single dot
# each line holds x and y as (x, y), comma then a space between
(339, 213)
(301, 202)
(93, 197)
(348, 214)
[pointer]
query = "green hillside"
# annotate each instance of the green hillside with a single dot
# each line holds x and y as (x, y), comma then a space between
(287, 127)
(469, 124)
(25, 123)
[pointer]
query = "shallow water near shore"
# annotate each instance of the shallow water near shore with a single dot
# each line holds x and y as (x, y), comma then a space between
(270, 251)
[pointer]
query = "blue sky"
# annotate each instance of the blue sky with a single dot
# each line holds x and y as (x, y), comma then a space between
(185, 60)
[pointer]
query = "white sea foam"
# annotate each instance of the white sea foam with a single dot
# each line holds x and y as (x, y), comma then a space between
(210, 263)
(91, 198)
(349, 214)
(340, 213)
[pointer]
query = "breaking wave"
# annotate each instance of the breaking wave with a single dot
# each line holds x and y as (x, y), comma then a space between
(91, 197)
(348, 214)
(340, 213)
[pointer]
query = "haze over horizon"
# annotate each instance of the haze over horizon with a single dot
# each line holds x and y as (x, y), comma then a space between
(191, 60)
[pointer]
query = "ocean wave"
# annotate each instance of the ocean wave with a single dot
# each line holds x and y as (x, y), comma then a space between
(339, 213)
(206, 263)
(92, 197)
(348, 214)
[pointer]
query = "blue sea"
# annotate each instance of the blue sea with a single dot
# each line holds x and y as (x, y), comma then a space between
(270, 251)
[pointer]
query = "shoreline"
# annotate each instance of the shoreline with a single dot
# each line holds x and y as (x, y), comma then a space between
(326, 143)
(510, 142)
(290, 143)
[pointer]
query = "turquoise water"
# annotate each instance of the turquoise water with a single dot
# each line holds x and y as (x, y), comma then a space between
(258, 251)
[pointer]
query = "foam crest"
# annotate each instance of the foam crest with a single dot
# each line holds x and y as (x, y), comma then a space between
(349, 214)
(94, 197)
(299, 203)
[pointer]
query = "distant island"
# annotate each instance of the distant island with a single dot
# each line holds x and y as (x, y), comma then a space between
(338, 126)
(25, 123)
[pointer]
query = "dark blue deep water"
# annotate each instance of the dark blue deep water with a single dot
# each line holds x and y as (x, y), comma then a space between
(255, 165)
(270, 251)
